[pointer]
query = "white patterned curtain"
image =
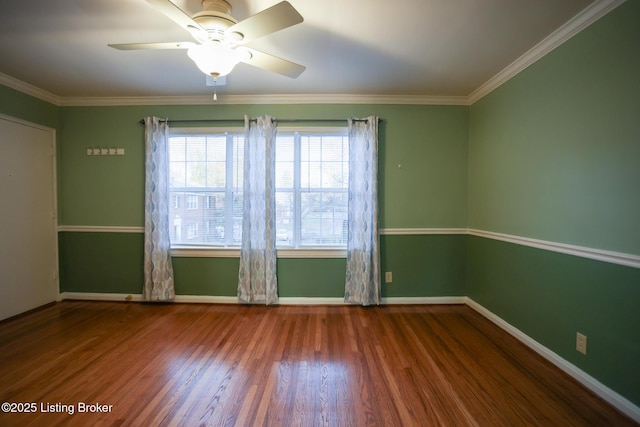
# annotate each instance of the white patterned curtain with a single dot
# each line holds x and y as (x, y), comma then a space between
(158, 271)
(362, 285)
(257, 281)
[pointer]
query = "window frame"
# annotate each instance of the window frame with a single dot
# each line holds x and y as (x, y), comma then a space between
(207, 250)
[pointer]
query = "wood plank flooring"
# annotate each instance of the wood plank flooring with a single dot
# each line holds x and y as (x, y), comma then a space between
(225, 365)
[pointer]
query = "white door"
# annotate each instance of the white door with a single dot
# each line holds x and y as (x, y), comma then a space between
(28, 235)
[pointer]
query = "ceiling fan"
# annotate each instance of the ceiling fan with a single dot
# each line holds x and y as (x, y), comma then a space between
(220, 39)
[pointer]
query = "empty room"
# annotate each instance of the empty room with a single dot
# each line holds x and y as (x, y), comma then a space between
(295, 213)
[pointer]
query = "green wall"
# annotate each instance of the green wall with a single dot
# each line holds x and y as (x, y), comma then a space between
(423, 183)
(424, 266)
(429, 142)
(554, 155)
(551, 296)
(101, 262)
(19, 105)
(554, 151)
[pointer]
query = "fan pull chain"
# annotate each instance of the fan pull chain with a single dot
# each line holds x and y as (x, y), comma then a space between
(215, 86)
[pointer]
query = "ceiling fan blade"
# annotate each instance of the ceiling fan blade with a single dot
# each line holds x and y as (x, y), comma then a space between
(270, 62)
(275, 18)
(152, 46)
(177, 15)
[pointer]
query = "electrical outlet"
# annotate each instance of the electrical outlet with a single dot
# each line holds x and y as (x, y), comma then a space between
(89, 151)
(581, 343)
(388, 277)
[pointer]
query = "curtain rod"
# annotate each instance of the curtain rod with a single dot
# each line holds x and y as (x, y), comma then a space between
(242, 120)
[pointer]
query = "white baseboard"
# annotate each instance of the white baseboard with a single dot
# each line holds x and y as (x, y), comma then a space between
(310, 301)
(385, 301)
(613, 398)
(205, 299)
(89, 296)
(98, 296)
(424, 300)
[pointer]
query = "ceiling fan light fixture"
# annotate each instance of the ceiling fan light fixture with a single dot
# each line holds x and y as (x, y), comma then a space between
(237, 36)
(221, 38)
(213, 59)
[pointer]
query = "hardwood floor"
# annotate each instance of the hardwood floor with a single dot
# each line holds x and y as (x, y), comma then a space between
(192, 364)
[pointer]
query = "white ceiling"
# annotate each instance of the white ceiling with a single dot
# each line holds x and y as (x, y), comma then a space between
(443, 48)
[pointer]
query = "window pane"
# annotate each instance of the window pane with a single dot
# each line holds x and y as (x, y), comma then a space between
(323, 162)
(332, 148)
(177, 174)
(284, 218)
(216, 161)
(217, 148)
(310, 148)
(284, 162)
(238, 161)
(333, 175)
(196, 174)
(216, 174)
(236, 236)
(196, 148)
(284, 148)
(284, 175)
(214, 218)
(310, 174)
(177, 148)
(197, 217)
(323, 218)
(175, 219)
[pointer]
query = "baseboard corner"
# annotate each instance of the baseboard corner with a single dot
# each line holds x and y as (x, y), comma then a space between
(615, 399)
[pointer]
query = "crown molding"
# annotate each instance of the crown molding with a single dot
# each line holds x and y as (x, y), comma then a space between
(572, 27)
(29, 89)
(582, 20)
(264, 99)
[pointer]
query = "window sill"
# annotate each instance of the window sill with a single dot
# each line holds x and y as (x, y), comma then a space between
(213, 252)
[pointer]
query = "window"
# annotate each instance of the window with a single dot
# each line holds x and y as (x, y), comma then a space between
(192, 201)
(311, 187)
(205, 170)
(312, 171)
(192, 230)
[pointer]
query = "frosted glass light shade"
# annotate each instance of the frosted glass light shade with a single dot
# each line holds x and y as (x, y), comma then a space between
(213, 60)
